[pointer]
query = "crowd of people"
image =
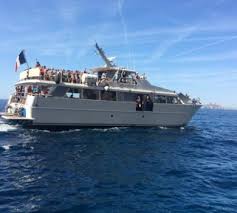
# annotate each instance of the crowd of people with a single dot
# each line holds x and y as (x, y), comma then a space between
(22, 91)
(60, 75)
(69, 76)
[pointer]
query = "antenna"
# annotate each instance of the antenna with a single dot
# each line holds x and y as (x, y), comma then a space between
(108, 61)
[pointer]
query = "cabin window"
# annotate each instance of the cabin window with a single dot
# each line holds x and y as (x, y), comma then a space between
(166, 99)
(91, 94)
(32, 90)
(108, 95)
(125, 96)
(107, 74)
(160, 99)
(144, 103)
(170, 100)
(73, 93)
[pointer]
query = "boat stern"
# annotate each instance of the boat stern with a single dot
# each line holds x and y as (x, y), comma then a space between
(19, 111)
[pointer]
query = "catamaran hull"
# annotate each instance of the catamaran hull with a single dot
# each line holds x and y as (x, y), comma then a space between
(54, 113)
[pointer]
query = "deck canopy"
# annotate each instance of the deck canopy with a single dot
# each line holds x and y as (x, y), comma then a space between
(110, 69)
(30, 73)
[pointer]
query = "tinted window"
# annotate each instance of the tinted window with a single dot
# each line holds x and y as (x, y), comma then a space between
(125, 96)
(108, 95)
(160, 99)
(91, 94)
(73, 93)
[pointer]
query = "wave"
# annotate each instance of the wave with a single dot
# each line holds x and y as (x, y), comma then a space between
(70, 130)
(6, 147)
(111, 129)
(55, 132)
(163, 127)
(7, 128)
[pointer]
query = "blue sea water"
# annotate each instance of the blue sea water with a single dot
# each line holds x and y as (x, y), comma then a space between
(192, 169)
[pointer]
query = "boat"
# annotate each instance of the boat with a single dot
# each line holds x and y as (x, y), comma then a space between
(106, 96)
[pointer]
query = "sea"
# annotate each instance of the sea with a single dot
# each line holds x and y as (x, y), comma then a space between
(190, 169)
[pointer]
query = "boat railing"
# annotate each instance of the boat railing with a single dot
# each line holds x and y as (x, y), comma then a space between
(17, 98)
(78, 77)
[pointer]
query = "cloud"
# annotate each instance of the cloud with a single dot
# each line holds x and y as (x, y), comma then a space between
(223, 56)
(219, 41)
(167, 44)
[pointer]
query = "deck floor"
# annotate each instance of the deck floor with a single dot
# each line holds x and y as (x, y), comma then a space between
(15, 117)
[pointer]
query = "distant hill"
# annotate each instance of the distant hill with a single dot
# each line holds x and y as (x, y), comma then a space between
(3, 103)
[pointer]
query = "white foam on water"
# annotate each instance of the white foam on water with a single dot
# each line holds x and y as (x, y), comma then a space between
(6, 147)
(45, 130)
(55, 132)
(69, 131)
(111, 129)
(7, 128)
(162, 127)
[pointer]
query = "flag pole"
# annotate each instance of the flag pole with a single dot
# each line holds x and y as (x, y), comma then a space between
(28, 67)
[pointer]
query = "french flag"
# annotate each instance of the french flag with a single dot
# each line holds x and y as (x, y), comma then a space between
(20, 60)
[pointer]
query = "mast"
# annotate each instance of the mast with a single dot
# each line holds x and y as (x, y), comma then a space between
(108, 62)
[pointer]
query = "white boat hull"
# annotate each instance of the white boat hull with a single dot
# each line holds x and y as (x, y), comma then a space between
(72, 112)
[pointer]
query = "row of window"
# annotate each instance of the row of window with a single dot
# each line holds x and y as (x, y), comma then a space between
(120, 96)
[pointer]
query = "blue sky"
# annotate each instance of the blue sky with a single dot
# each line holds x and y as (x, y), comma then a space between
(184, 45)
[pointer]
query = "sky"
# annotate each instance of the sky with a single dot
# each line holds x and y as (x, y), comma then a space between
(189, 46)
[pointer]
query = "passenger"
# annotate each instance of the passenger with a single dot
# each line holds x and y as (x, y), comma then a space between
(79, 77)
(194, 101)
(34, 90)
(39, 90)
(137, 76)
(103, 76)
(63, 76)
(58, 77)
(42, 71)
(49, 75)
(37, 64)
(21, 112)
(138, 103)
(69, 76)
(134, 79)
(25, 91)
(75, 78)
(45, 91)
(27, 74)
(29, 90)
(148, 105)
